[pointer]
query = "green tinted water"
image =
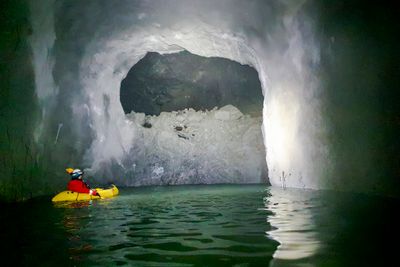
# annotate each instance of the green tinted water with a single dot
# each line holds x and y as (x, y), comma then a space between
(201, 226)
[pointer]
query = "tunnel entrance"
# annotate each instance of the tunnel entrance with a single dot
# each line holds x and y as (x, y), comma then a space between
(198, 120)
(182, 80)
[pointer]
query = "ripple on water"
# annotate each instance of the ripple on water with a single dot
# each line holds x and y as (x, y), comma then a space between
(203, 226)
(175, 229)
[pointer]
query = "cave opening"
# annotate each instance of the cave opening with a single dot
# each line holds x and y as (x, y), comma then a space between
(198, 120)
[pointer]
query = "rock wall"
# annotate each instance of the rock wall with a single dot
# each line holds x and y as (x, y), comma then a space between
(196, 147)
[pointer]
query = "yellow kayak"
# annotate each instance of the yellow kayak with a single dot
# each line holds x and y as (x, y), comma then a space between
(74, 196)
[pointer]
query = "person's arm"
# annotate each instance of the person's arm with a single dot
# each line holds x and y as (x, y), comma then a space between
(91, 191)
(87, 186)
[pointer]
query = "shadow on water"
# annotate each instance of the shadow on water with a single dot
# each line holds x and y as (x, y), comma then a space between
(327, 228)
(357, 230)
(29, 236)
(202, 226)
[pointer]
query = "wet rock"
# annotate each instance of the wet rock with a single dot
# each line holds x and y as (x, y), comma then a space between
(183, 136)
(147, 125)
(207, 150)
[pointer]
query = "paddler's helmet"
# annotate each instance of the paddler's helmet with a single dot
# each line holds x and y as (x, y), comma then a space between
(75, 173)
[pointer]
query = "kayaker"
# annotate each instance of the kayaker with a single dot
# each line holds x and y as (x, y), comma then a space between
(77, 184)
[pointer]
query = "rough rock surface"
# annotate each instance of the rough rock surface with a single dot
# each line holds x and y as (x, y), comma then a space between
(197, 147)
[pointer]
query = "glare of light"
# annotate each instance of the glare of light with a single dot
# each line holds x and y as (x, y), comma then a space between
(292, 224)
(280, 122)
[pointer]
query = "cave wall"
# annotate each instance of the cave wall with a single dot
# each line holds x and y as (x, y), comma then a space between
(274, 45)
(22, 167)
(328, 73)
(195, 147)
(359, 62)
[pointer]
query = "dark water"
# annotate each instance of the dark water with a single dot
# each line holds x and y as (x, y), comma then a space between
(203, 226)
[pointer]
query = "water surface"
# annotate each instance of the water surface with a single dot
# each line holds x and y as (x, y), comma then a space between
(223, 225)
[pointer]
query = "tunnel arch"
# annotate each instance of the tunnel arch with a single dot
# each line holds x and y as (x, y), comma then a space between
(113, 142)
(205, 129)
(114, 137)
(283, 51)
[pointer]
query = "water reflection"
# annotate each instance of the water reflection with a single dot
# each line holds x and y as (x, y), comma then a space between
(204, 226)
(77, 216)
(185, 226)
(292, 223)
(73, 204)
